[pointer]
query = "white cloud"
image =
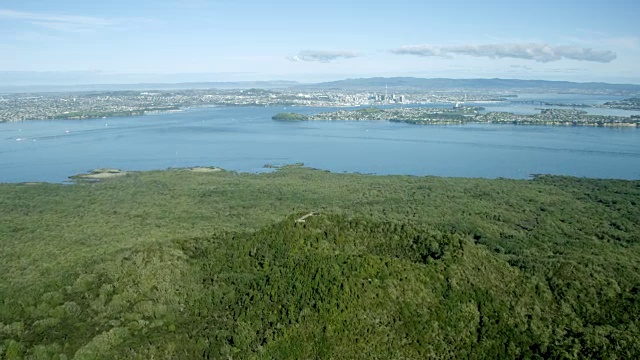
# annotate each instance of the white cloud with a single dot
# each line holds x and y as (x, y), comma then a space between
(56, 20)
(69, 23)
(530, 51)
(324, 55)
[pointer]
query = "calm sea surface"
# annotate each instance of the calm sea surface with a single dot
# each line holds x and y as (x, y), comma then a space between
(245, 139)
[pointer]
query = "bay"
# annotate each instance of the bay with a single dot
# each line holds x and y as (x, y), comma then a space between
(245, 139)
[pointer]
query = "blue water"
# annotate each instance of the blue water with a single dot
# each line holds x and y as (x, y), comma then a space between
(245, 139)
(516, 105)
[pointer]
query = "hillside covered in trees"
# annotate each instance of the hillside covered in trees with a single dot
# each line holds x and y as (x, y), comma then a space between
(185, 265)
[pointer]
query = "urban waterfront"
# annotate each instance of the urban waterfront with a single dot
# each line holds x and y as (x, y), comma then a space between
(245, 139)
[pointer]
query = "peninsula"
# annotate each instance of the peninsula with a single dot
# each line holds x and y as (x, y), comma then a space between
(467, 115)
(626, 104)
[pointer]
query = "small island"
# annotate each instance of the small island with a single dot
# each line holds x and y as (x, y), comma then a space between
(288, 116)
(467, 115)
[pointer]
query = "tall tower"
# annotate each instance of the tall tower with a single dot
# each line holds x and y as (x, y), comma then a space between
(386, 93)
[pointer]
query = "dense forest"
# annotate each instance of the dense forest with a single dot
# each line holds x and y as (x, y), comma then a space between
(187, 265)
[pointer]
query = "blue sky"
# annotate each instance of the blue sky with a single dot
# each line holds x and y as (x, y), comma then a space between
(225, 40)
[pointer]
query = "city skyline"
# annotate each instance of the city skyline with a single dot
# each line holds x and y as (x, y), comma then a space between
(188, 41)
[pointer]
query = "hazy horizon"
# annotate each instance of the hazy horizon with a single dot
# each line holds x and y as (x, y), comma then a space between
(18, 80)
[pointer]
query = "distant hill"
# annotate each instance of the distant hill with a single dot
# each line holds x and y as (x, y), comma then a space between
(276, 84)
(377, 83)
(472, 84)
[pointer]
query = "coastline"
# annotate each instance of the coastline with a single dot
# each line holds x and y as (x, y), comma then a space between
(109, 174)
(460, 115)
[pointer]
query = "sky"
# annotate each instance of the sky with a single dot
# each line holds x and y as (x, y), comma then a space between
(71, 41)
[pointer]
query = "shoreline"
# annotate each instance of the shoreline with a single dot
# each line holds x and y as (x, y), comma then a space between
(108, 174)
(460, 115)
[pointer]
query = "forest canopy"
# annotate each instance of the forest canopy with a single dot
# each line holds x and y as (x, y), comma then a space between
(181, 264)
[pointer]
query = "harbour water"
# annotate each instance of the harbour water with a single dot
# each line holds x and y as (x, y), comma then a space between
(245, 139)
